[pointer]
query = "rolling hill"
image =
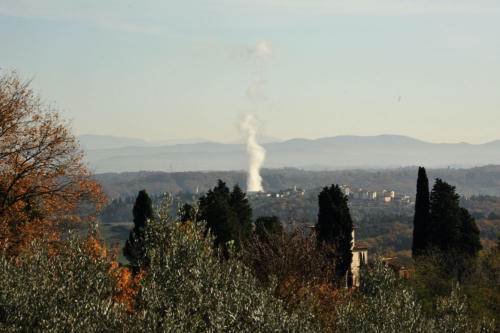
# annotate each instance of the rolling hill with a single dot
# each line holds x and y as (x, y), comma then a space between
(332, 153)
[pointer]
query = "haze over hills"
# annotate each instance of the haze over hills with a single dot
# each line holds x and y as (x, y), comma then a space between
(332, 153)
(93, 141)
(474, 181)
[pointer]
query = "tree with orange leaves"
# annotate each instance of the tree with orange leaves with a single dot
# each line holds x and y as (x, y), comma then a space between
(43, 178)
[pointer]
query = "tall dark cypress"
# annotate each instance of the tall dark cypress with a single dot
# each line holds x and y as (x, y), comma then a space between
(421, 217)
(240, 205)
(134, 247)
(453, 233)
(227, 214)
(445, 218)
(470, 242)
(335, 226)
(217, 213)
(187, 213)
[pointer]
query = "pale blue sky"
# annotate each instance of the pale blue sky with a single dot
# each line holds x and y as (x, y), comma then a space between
(180, 69)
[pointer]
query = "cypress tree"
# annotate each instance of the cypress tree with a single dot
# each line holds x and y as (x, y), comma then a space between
(241, 207)
(216, 212)
(219, 217)
(187, 213)
(445, 217)
(228, 214)
(421, 217)
(134, 247)
(452, 231)
(335, 226)
(470, 243)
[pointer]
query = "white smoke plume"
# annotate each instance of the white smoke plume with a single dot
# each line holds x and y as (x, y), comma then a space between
(258, 52)
(262, 49)
(254, 91)
(257, 155)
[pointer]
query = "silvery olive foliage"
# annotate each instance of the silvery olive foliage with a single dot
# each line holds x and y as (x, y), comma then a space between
(68, 292)
(386, 304)
(451, 315)
(189, 287)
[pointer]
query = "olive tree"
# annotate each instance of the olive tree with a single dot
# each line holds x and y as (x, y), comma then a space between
(190, 287)
(67, 287)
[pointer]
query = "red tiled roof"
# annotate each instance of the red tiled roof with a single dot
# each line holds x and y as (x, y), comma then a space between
(396, 262)
(359, 247)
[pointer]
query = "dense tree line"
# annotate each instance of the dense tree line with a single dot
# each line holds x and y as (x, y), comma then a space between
(482, 206)
(387, 235)
(481, 180)
(386, 230)
(120, 209)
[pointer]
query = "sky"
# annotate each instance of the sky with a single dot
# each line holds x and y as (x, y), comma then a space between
(160, 70)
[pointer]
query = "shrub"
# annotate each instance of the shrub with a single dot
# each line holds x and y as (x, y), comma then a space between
(383, 305)
(73, 287)
(190, 288)
(386, 304)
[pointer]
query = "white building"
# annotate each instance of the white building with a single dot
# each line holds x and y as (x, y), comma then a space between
(359, 258)
(346, 190)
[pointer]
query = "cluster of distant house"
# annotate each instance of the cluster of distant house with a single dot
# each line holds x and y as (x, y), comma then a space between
(382, 195)
(288, 193)
(354, 194)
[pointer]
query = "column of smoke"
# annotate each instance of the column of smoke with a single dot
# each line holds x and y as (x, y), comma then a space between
(257, 153)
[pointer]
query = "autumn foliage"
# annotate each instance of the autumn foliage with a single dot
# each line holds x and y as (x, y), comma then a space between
(126, 285)
(43, 178)
(303, 272)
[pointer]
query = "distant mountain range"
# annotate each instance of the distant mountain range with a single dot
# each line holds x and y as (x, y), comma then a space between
(116, 154)
(92, 141)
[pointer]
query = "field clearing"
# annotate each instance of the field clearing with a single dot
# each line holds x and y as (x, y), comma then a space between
(115, 234)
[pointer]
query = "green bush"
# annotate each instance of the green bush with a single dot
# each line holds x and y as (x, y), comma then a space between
(190, 288)
(187, 288)
(67, 292)
(387, 304)
(383, 305)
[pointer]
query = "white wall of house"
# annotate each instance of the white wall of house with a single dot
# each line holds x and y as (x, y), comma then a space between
(358, 258)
